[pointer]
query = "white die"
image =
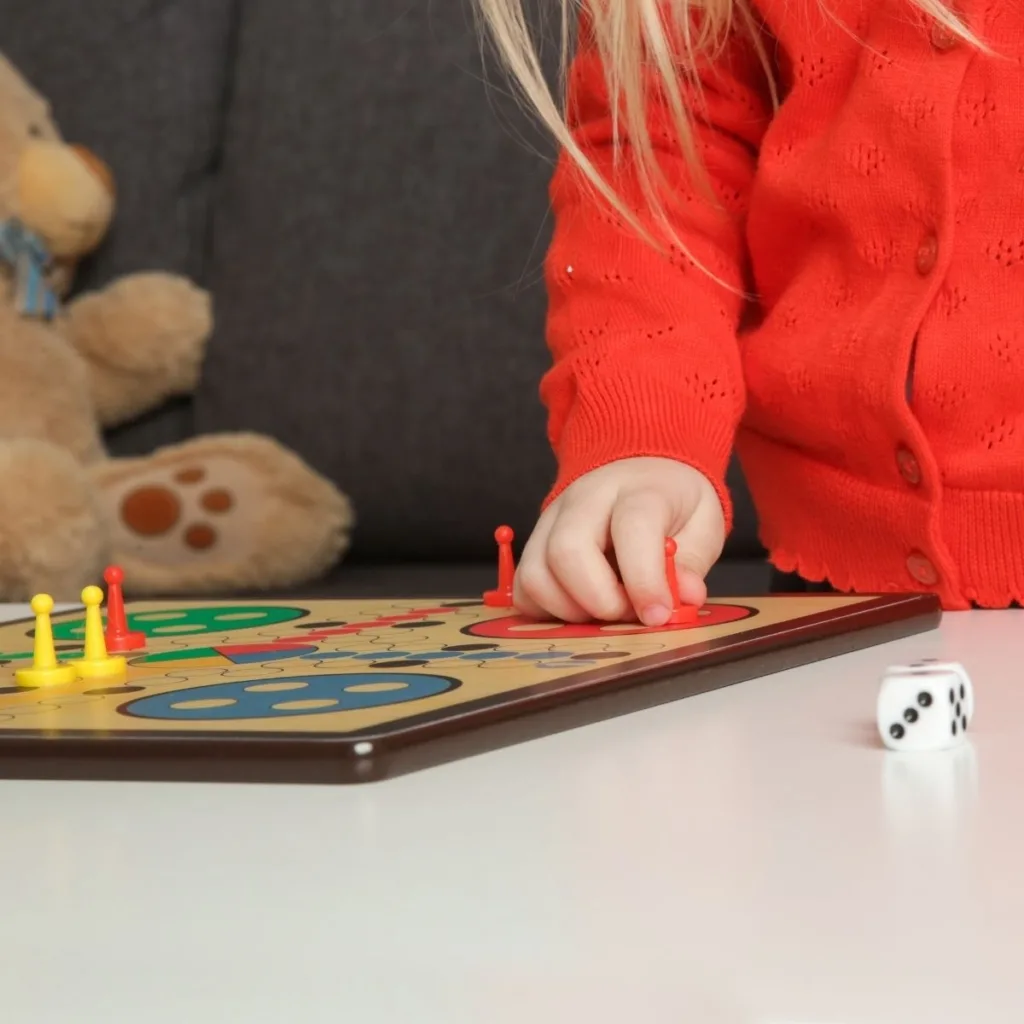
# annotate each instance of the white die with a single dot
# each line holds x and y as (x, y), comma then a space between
(960, 689)
(925, 706)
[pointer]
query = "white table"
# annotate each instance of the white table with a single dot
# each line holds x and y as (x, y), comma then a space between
(744, 856)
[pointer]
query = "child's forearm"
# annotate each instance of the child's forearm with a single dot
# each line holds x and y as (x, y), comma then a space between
(645, 356)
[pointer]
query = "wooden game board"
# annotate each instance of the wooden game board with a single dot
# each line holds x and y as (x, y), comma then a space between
(350, 691)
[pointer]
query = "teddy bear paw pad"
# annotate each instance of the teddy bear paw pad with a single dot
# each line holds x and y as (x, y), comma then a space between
(155, 510)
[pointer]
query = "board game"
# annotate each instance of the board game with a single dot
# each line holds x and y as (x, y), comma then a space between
(347, 691)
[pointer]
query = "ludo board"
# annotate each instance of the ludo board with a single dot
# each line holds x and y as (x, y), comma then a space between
(352, 691)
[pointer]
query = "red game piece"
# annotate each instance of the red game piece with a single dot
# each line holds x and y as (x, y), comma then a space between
(501, 597)
(681, 613)
(118, 637)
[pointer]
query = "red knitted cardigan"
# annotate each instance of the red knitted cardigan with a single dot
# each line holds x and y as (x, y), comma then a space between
(874, 387)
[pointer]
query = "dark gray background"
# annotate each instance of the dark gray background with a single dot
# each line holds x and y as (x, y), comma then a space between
(371, 217)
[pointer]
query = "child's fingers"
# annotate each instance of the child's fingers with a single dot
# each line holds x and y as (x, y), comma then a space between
(577, 560)
(639, 524)
(699, 543)
(535, 592)
(537, 595)
(692, 588)
(698, 546)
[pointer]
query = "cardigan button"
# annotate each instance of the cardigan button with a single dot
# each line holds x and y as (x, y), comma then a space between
(927, 255)
(942, 39)
(909, 467)
(922, 570)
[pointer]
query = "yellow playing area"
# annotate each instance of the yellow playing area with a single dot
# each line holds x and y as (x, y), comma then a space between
(344, 667)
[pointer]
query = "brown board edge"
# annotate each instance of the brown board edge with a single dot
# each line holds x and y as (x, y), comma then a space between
(485, 725)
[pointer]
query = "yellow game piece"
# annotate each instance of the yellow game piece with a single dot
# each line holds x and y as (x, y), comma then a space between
(46, 670)
(96, 663)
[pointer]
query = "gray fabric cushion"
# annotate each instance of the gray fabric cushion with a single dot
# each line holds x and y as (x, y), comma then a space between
(377, 263)
(141, 82)
(377, 252)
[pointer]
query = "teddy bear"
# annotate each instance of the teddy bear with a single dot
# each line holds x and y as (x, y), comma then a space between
(215, 513)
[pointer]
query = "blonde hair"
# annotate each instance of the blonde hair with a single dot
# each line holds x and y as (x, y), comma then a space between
(634, 40)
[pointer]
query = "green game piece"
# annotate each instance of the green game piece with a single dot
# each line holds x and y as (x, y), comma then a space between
(192, 621)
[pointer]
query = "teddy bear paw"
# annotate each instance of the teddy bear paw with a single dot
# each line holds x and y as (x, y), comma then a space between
(223, 512)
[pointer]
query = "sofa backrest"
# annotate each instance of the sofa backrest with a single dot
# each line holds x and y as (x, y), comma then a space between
(372, 219)
(142, 83)
(376, 259)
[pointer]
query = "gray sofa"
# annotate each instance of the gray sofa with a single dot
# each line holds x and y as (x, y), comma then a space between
(371, 217)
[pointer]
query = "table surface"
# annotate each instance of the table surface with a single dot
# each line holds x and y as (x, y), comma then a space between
(751, 855)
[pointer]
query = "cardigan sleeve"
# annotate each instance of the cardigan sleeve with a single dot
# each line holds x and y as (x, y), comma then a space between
(645, 357)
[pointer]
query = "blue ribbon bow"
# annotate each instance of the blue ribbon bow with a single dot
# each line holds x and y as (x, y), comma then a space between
(27, 256)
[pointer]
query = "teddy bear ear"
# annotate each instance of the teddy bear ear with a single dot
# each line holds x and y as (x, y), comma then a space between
(97, 166)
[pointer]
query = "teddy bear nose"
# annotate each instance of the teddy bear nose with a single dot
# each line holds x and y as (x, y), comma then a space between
(96, 165)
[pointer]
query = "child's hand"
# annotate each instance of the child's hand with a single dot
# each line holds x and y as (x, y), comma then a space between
(620, 515)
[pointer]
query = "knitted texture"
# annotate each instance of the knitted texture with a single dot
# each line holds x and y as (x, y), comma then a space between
(874, 390)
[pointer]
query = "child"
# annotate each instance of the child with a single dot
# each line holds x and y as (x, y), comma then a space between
(796, 231)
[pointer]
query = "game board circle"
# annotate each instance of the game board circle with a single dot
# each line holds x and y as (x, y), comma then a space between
(517, 627)
(312, 695)
(222, 619)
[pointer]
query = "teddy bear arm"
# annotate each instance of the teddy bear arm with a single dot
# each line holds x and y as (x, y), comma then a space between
(119, 397)
(142, 339)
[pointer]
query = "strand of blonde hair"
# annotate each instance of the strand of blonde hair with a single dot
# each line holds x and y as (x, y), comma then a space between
(635, 39)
